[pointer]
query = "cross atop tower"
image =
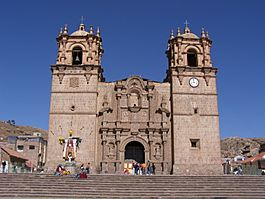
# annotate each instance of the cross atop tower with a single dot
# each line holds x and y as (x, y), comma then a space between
(186, 30)
(186, 23)
(82, 19)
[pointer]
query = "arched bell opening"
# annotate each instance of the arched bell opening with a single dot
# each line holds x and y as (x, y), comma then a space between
(77, 55)
(192, 58)
(135, 151)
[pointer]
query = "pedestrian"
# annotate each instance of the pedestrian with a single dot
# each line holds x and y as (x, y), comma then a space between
(3, 166)
(143, 166)
(88, 170)
(136, 166)
(82, 168)
(153, 168)
(133, 168)
(148, 166)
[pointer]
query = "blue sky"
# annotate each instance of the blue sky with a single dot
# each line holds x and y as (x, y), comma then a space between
(135, 35)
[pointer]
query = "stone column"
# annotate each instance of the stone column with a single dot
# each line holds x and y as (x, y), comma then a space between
(150, 88)
(119, 87)
(104, 166)
(118, 140)
(150, 141)
(104, 141)
(164, 141)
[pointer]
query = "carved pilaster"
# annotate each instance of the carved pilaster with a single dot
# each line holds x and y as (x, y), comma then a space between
(150, 141)
(164, 134)
(104, 141)
(118, 140)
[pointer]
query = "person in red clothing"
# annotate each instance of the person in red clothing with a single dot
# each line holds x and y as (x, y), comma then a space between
(59, 170)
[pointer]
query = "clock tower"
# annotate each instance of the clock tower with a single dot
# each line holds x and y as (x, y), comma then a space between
(195, 117)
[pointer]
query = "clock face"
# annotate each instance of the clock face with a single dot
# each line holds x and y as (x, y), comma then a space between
(194, 82)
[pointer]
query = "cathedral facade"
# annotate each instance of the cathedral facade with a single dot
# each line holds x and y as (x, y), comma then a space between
(173, 124)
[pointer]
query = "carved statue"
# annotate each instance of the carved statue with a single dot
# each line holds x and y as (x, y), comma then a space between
(111, 149)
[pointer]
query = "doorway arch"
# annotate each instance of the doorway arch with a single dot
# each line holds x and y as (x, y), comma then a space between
(135, 150)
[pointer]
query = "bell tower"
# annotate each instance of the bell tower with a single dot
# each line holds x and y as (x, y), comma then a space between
(74, 90)
(195, 117)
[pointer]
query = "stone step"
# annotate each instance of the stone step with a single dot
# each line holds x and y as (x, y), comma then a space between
(120, 186)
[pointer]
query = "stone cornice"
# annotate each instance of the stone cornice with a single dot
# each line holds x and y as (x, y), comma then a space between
(204, 115)
(204, 69)
(74, 92)
(185, 93)
(63, 67)
(72, 113)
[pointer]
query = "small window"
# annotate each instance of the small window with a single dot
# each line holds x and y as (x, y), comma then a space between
(77, 56)
(20, 148)
(195, 143)
(192, 58)
(196, 110)
(31, 147)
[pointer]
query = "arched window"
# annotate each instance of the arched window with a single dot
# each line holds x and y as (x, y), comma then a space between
(192, 58)
(77, 55)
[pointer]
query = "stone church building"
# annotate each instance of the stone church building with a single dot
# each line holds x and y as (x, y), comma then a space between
(173, 124)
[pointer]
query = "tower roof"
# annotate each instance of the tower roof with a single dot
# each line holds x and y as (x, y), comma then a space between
(189, 35)
(81, 31)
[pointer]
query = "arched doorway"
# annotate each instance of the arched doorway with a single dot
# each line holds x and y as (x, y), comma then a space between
(135, 150)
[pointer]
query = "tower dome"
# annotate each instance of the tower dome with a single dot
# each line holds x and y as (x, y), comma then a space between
(81, 31)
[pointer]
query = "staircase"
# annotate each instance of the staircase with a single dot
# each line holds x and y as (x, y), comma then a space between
(123, 186)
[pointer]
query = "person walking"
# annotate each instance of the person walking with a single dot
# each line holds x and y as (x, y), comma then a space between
(3, 166)
(88, 170)
(153, 168)
(148, 167)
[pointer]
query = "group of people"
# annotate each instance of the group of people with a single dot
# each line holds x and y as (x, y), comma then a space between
(142, 169)
(60, 170)
(84, 171)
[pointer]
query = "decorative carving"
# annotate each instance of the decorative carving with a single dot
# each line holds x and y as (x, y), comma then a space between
(207, 79)
(134, 109)
(105, 108)
(163, 110)
(207, 76)
(60, 75)
(87, 76)
(207, 70)
(150, 86)
(164, 134)
(74, 82)
(157, 150)
(134, 101)
(125, 115)
(61, 68)
(111, 150)
(180, 77)
(180, 70)
(119, 86)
